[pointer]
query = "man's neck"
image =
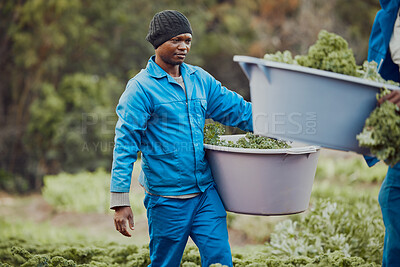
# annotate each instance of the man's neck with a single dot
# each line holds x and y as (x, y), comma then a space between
(173, 70)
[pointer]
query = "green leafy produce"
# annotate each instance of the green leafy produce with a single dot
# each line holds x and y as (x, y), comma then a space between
(285, 57)
(381, 133)
(213, 131)
(331, 53)
(369, 71)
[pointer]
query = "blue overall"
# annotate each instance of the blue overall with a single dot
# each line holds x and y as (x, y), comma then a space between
(171, 221)
(389, 195)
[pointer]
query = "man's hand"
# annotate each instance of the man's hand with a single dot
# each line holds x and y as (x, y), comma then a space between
(122, 216)
(393, 97)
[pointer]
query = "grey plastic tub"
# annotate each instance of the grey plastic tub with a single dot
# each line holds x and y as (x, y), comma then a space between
(309, 105)
(263, 181)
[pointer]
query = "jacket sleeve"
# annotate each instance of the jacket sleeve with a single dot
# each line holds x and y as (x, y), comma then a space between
(133, 112)
(228, 107)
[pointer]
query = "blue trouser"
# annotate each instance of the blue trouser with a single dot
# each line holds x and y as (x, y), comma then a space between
(389, 200)
(171, 221)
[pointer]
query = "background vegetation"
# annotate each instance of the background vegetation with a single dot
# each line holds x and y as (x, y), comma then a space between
(64, 64)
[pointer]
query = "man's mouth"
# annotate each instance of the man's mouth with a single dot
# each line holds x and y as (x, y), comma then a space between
(181, 56)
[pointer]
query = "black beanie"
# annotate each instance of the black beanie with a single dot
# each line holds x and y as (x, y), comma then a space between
(165, 25)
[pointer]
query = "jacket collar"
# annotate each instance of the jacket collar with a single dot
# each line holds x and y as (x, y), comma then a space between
(157, 72)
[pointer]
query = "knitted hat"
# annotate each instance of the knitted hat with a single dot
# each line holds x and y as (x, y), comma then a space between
(165, 25)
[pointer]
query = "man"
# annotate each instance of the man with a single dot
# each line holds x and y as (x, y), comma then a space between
(162, 113)
(384, 48)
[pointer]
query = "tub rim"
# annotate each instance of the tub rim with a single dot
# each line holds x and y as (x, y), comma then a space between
(298, 149)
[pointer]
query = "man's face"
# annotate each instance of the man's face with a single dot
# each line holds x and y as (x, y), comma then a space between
(173, 51)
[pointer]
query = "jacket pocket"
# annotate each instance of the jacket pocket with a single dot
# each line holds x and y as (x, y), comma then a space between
(200, 109)
(163, 170)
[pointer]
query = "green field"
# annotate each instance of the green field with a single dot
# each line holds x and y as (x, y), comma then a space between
(69, 224)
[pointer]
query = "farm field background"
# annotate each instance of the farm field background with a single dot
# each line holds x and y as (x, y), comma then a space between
(69, 224)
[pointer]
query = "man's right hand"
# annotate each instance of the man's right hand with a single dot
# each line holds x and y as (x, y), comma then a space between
(122, 216)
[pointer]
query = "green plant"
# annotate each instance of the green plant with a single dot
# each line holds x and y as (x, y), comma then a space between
(331, 53)
(381, 133)
(352, 228)
(12, 183)
(213, 131)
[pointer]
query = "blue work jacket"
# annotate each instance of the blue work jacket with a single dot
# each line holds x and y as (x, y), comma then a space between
(378, 47)
(163, 121)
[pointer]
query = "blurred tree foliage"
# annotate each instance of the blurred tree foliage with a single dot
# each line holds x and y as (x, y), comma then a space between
(64, 64)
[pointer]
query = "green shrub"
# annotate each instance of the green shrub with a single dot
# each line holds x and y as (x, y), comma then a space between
(354, 228)
(12, 183)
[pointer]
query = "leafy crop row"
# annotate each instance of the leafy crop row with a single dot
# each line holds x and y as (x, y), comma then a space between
(19, 253)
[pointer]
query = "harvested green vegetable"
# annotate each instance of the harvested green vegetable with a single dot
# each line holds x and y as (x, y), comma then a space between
(213, 131)
(331, 52)
(381, 133)
(285, 57)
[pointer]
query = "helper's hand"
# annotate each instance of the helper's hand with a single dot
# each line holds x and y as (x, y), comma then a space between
(393, 97)
(122, 217)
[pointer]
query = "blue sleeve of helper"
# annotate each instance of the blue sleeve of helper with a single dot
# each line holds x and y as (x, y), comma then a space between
(371, 161)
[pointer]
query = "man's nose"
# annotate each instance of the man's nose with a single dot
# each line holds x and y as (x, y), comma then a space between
(183, 45)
